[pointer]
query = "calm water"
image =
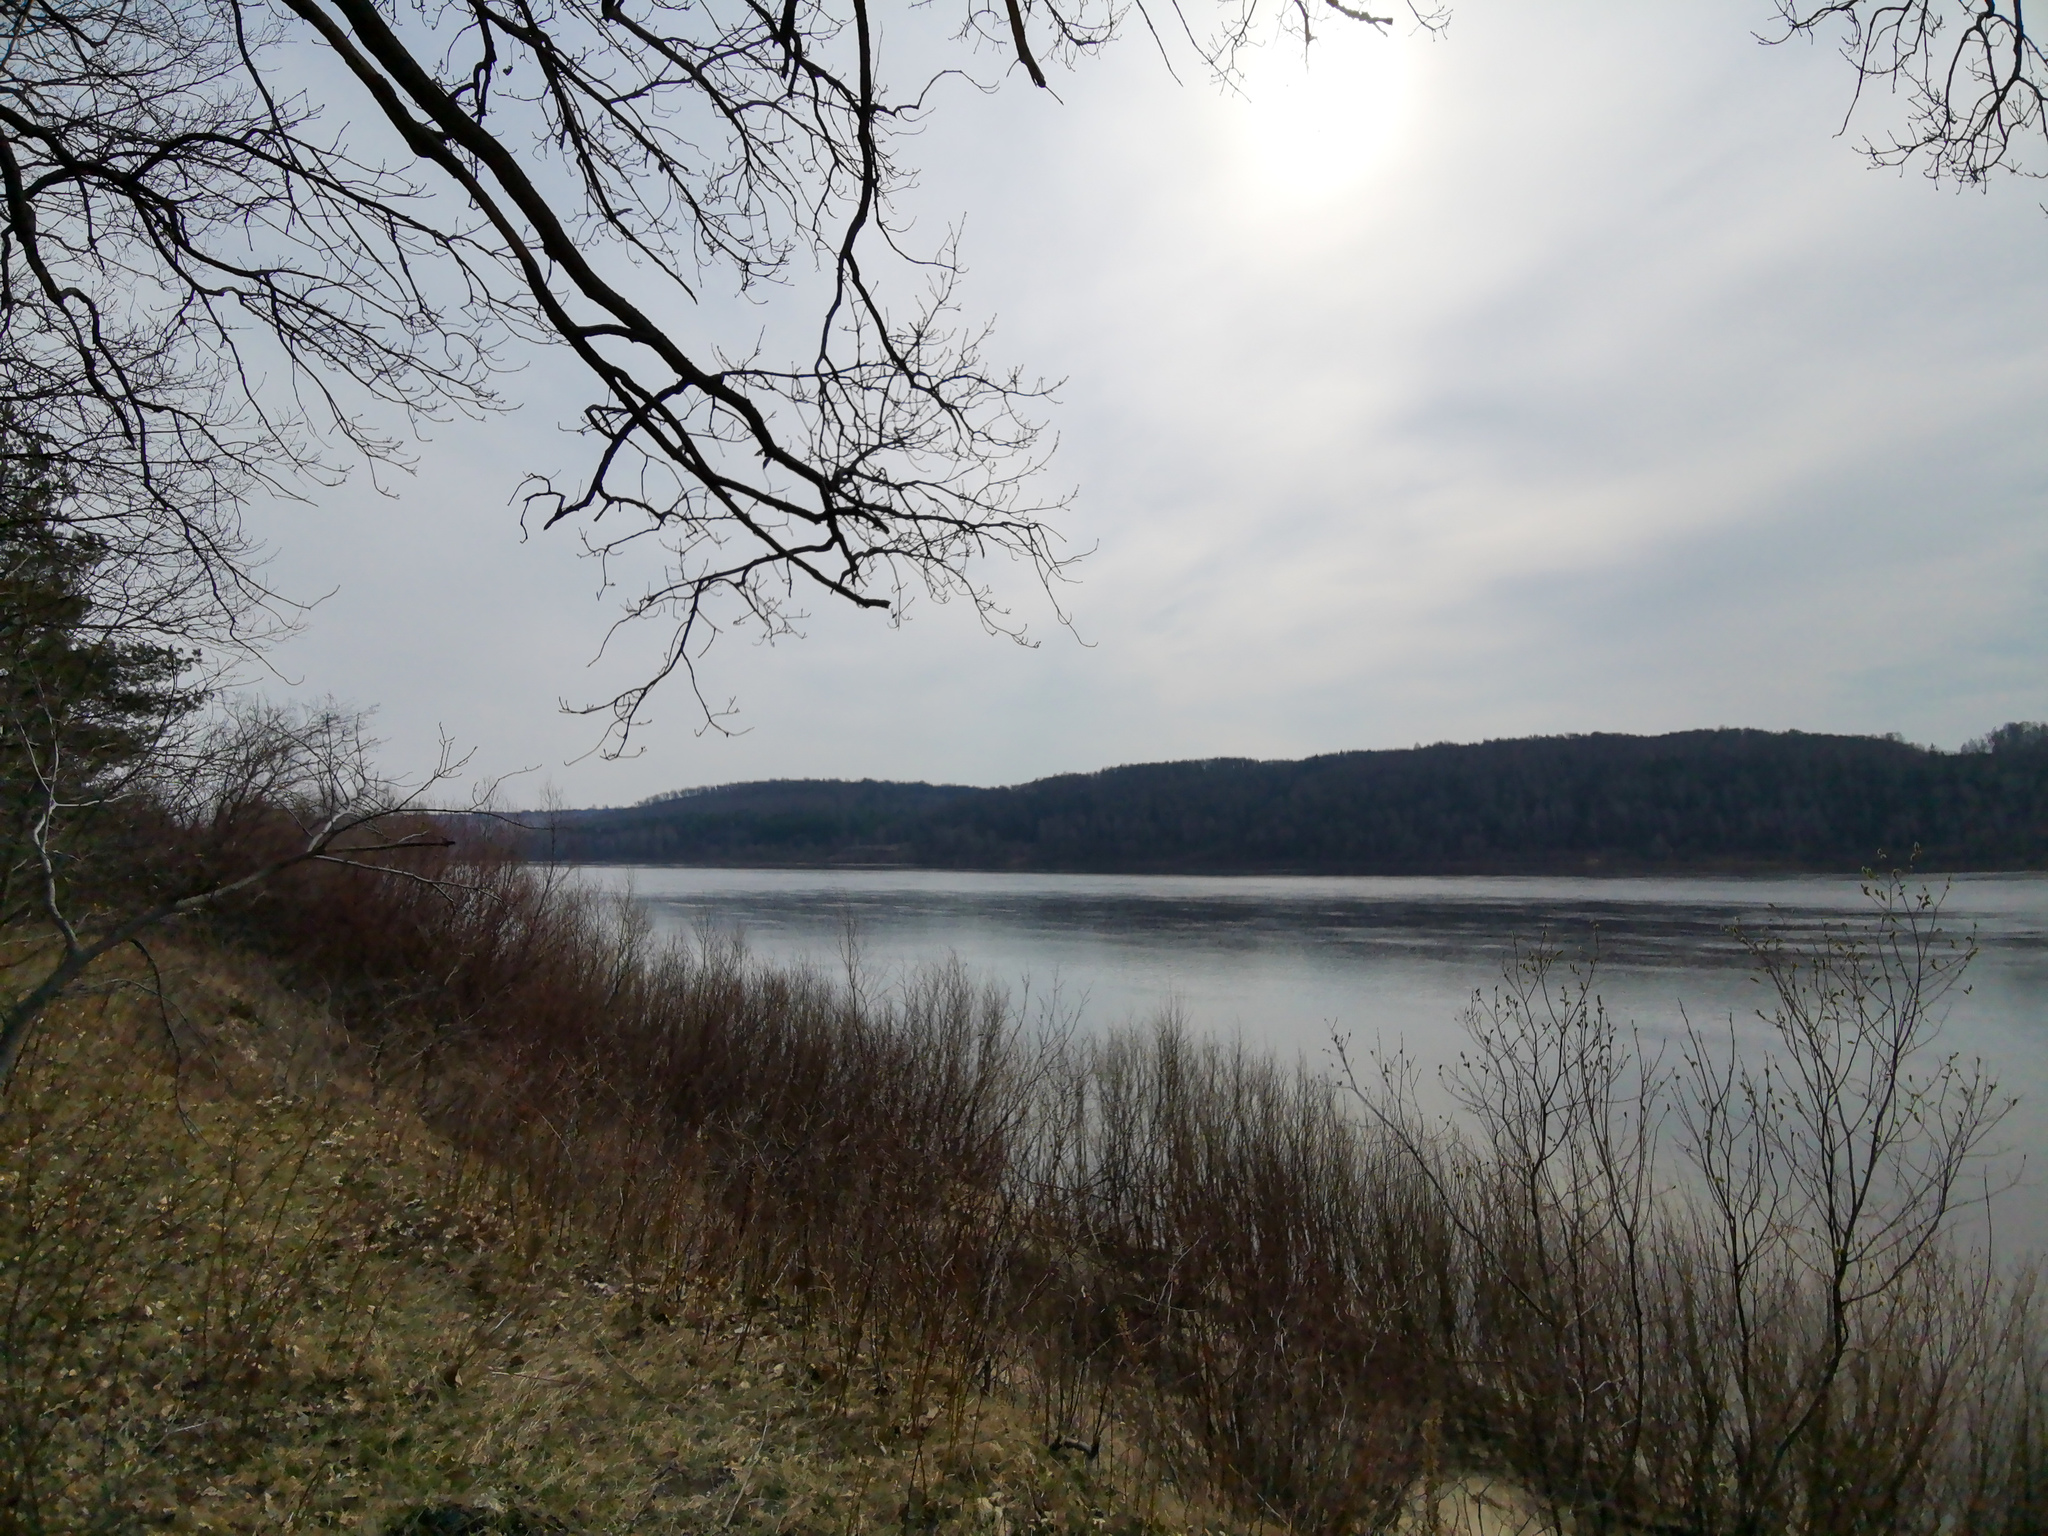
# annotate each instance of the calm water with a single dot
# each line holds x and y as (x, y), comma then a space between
(1282, 963)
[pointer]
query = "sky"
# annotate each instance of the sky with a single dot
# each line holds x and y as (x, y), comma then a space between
(1567, 371)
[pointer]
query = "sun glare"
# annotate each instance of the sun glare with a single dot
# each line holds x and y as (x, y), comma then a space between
(1311, 131)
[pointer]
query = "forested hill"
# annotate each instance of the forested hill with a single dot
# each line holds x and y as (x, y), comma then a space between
(1695, 800)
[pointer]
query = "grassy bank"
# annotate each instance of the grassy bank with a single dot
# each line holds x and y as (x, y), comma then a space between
(243, 1293)
(461, 1192)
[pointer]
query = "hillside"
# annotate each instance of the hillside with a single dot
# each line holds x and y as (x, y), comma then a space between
(1733, 800)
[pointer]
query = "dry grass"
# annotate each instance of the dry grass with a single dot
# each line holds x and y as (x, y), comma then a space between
(467, 1195)
(234, 1305)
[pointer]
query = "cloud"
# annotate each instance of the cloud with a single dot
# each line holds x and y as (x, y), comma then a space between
(1565, 373)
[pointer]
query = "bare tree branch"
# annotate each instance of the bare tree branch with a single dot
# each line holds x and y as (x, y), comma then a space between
(301, 782)
(209, 284)
(1972, 73)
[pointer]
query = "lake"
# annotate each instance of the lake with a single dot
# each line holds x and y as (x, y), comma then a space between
(1282, 963)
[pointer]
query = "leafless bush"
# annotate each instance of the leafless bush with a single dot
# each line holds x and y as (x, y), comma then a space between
(1187, 1251)
(1829, 1171)
(1552, 1194)
(212, 812)
(1713, 1295)
(1246, 1269)
(1778, 1332)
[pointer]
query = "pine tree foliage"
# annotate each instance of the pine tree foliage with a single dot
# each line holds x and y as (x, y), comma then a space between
(88, 692)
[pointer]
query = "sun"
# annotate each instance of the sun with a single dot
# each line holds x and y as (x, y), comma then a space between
(1312, 129)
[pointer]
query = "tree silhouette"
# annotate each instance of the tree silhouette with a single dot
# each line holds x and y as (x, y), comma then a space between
(1971, 71)
(236, 229)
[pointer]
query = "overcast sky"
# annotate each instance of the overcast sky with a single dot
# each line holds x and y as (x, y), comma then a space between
(1567, 372)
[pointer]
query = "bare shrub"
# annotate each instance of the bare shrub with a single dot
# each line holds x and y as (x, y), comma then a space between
(1247, 1270)
(1775, 1334)
(1829, 1170)
(1716, 1295)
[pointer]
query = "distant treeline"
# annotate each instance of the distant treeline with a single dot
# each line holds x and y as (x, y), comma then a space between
(1730, 800)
